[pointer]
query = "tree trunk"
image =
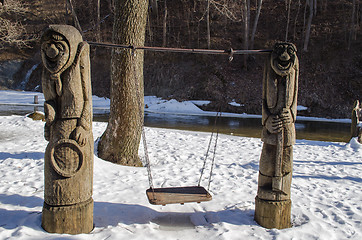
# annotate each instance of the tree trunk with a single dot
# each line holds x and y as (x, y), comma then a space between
(358, 16)
(246, 18)
(154, 7)
(120, 141)
(75, 18)
(256, 20)
(208, 24)
(352, 25)
(164, 38)
(99, 21)
(288, 19)
(149, 29)
(304, 21)
(309, 24)
(295, 21)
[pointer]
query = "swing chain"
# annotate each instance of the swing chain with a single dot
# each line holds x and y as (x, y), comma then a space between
(148, 165)
(150, 179)
(140, 107)
(208, 150)
(213, 157)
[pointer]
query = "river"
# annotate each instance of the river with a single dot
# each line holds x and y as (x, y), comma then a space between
(247, 127)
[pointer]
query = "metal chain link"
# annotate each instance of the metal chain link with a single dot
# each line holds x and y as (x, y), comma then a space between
(140, 107)
(148, 165)
(218, 114)
(213, 158)
(208, 150)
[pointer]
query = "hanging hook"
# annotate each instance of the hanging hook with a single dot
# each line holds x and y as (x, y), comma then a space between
(133, 51)
(231, 54)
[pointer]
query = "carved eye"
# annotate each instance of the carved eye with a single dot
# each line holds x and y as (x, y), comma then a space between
(290, 50)
(280, 49)
(57, 37)
(60, 46)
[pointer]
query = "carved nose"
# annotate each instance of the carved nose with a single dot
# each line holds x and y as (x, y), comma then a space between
(52, 51)
(284, 56)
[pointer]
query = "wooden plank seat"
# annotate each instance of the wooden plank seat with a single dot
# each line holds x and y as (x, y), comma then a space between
(170, 195)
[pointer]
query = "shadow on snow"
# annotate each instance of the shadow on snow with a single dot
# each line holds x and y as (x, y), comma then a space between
(112, 214)
(22, 155)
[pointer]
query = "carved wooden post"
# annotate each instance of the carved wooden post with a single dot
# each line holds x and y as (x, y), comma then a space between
(280, 89)
(355, 117)
(68, 167)
(36, 101)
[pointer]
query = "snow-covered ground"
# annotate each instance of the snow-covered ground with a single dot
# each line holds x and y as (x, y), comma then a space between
(326, 187)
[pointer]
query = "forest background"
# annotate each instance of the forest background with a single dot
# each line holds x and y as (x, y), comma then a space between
(327, 34)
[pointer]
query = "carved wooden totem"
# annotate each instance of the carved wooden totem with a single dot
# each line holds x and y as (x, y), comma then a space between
(279, 110)
(68, 167)
(356, 128)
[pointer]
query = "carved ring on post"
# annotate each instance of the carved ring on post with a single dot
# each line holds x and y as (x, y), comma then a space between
(66, 157)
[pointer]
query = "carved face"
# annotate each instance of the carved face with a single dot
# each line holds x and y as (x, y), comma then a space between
(283, 58)
(54, 52)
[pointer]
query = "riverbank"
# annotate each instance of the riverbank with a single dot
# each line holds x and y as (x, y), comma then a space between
(153, 104)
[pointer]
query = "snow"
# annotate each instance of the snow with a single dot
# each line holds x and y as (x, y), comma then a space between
(170, 106)
(20, 97)
(326, 188)
(200, 102)
(235, 104)
(301, 108)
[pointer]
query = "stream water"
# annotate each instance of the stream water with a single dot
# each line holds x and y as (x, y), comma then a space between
(247, 127)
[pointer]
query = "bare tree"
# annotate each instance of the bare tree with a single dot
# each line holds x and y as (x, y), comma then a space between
(75, 18)
(208, 23)
(154, 7)
(230, 9)
(99, 20)
(223, 8)
(12, 32)
(14, 6)
(164, 34)
(120, 141)
(256, 20)
(353, 24)
(287, 3)
(309, 23)
(296, 20)
(246, 22)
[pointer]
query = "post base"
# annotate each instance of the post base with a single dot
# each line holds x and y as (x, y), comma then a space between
(73, 219)
(273, 214)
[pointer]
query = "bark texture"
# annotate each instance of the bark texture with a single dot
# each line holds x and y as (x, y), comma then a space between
(120, 142)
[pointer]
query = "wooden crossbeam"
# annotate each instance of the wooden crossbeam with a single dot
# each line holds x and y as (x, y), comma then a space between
(182, 50)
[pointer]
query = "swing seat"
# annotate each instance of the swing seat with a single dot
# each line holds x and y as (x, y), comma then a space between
(170, 195)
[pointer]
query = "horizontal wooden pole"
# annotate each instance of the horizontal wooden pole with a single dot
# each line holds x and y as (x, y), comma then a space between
(182, 50)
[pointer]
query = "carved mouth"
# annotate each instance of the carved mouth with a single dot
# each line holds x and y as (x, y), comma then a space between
(54, 59)
(53, 62)
(284, 65)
